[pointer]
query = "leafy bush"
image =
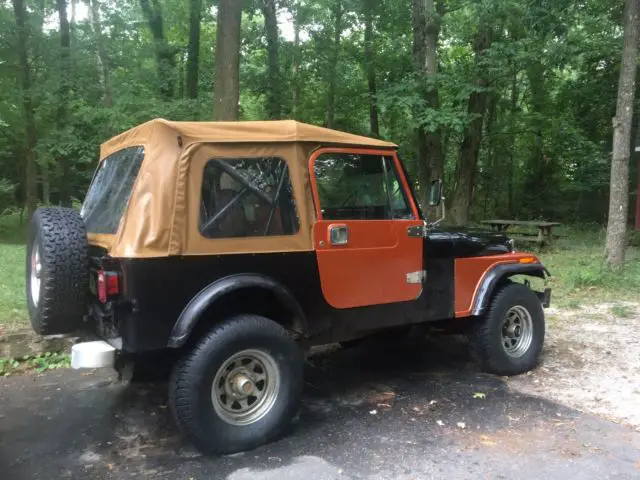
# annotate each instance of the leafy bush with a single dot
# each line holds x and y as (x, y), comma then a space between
(7, 193)
(39, 363)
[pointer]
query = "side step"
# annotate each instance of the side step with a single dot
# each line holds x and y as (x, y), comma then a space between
(97, 354)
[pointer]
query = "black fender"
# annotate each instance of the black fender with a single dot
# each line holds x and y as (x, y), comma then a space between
(218, 289)
(494, 276)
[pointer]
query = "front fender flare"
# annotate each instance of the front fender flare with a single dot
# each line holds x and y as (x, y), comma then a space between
(218, 289)
(492, 278)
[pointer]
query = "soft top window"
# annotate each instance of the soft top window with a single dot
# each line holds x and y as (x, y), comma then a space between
(247, 197)
(110, 190)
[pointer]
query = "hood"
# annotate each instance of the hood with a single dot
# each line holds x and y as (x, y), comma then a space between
(465, 242)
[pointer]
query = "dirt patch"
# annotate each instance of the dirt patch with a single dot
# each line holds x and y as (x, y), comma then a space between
(591, 361)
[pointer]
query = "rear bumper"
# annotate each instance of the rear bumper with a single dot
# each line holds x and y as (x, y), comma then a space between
(94, 354)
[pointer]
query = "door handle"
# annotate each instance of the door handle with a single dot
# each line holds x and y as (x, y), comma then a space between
(338, 234)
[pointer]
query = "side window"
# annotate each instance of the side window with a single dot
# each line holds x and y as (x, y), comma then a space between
(110, 190)
(247, 197)
(359, 187)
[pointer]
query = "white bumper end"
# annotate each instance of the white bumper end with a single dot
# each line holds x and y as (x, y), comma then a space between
(96, 354)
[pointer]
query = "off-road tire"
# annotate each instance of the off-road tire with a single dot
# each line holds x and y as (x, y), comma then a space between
(485, 336)
(190, 386)
(61, 237)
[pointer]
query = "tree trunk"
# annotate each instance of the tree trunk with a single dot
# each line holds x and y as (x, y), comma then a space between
(165, 54)
(31, 186)
(470, 147)
(433, 138)
(63, 99)
(274, 102)
(619, 188)
(427, 17)
(512, 150)
(537, 168)
(101, 58)
(370, 65)
(193, 49)
(72, 21)
(226, 89)
(295, 91)
(338, 12)
(39, 14)
(181, 68)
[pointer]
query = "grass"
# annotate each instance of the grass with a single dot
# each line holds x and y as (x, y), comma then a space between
(13, 307)
(622, 311)
(579, 276)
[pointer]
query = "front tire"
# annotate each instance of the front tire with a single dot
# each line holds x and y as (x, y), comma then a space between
(239, 387)
(508, 340)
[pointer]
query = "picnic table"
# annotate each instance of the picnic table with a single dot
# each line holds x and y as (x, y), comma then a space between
(544, 234)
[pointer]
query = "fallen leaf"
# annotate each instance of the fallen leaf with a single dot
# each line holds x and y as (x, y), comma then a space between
(373, 412)
(485, 440)
(480, 395)
(461, 424)
(440, 422)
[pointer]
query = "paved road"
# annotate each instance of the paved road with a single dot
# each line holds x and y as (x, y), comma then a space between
(368, 413)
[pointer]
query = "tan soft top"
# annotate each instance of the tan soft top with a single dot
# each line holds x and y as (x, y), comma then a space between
(275, 131)
(161, 217)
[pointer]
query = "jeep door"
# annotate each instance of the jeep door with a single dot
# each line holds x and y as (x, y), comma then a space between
(363, 213)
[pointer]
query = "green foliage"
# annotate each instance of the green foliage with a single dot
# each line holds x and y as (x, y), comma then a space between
(580, 276)
(39, 363)
(552, 69)
(7, 194)
(622, 311)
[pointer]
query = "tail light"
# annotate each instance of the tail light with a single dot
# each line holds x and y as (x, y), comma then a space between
(108, 285)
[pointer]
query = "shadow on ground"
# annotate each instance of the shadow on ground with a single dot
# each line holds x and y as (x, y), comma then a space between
(368, 412)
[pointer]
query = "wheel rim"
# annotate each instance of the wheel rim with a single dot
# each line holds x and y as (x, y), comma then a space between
(36, 272)
(246, 387)
(517, 331)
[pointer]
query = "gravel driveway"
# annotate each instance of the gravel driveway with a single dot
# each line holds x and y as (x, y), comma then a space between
(591, 362)
(367, 414)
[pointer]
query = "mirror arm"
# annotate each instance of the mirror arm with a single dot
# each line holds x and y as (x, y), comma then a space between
(444, 215)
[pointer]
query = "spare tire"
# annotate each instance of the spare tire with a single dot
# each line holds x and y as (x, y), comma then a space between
(57, 279)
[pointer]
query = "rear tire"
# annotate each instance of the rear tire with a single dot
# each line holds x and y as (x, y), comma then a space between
(508, 340)
(209, 385)
(57, 267)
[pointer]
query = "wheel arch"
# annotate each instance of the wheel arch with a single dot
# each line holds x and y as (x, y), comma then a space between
(245, 293)
(497, 276)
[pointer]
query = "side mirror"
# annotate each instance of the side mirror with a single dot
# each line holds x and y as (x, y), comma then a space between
(435, 192)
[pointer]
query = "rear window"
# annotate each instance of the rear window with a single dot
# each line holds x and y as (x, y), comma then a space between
(110, 190)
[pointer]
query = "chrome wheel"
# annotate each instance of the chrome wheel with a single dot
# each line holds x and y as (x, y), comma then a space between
(246, 387)
(36, 272)
(517, 331)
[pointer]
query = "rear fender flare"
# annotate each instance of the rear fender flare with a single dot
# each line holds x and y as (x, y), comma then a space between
(498, 273)
(218, 289)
